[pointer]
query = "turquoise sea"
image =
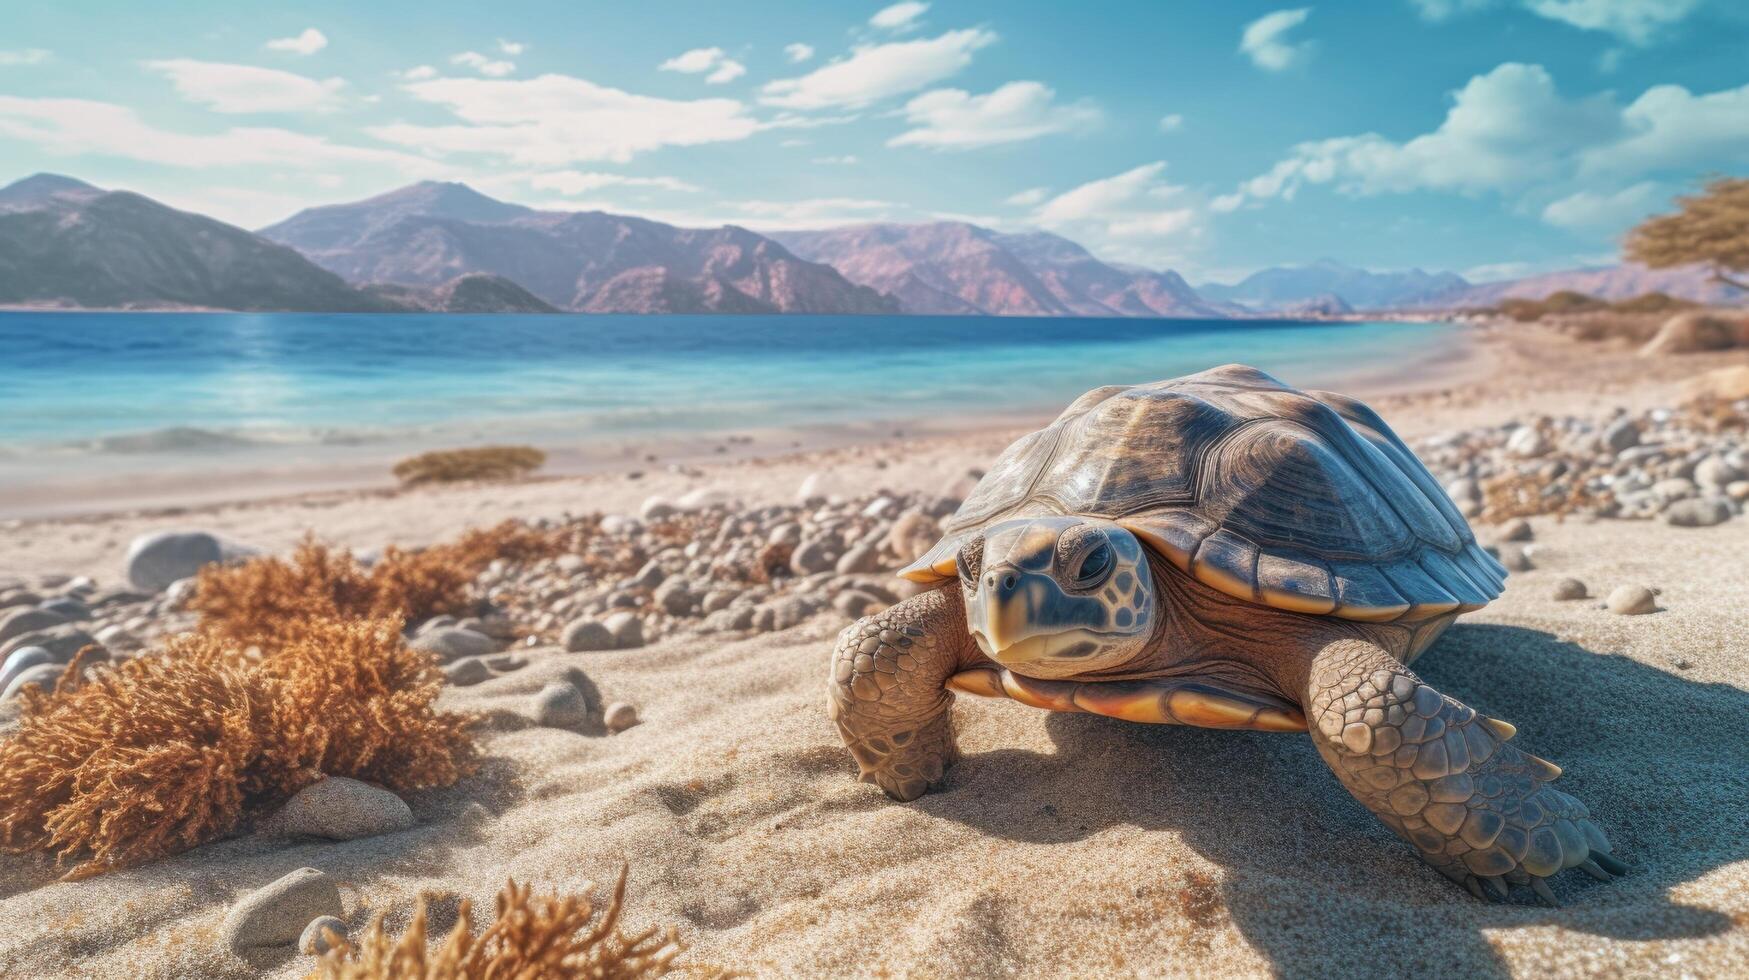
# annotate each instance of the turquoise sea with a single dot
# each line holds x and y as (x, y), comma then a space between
(110, 393)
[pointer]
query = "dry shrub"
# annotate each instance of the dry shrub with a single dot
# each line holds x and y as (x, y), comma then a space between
(530, 938)
(162, 753)
(1653, 302)
(1516, 495)
(480, 463)
(1564, 301)
(261, 600)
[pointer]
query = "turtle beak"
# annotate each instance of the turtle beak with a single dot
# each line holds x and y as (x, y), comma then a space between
(1007, 611)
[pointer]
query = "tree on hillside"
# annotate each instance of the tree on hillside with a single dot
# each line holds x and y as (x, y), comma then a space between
(1710, 227)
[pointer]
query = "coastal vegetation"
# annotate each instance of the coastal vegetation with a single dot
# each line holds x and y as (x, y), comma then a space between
(529, 936)
(477, 463)
(1710, 228)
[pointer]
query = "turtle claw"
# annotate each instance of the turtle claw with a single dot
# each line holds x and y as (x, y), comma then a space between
(1499, 885)
(1541, 887)
(1475, 887)
(1609, 862)
(1590, 867)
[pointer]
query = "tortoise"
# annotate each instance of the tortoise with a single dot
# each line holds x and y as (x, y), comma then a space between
(1226, 551)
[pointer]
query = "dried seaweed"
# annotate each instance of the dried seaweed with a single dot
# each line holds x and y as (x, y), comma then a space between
(530, 938)
(478, 463)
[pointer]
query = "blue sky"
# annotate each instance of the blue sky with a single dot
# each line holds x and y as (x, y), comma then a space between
(1493, 137)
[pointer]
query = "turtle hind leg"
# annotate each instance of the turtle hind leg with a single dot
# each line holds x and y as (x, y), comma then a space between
(888, 695)
(1479, 810)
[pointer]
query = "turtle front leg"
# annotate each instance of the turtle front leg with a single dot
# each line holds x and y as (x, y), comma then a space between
(1444, 778)
(888, 693)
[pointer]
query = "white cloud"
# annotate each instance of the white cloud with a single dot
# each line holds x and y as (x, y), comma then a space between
(808, 213)
(245, 207)
(419, 73)
(841, 161)
(1135, 216)
(1265, 40)
(1506, 129)
(490, 67)
(511, 48)
(572, 182)
(1634, 21)
(899, 16)
(1670, 128)
(307, 43)
(554, 120)
(1593, 211)
(1027, 198)
(1171, 122)
(951, 118)
(72, 127)
(26, 56)
(245, 88)
(798, 52)
(874, 72)
(722, 68)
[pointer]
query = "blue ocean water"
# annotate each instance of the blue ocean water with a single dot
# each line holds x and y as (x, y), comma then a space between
(81, 383)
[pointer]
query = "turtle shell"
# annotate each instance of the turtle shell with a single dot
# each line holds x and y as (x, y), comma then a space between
(1301, 500)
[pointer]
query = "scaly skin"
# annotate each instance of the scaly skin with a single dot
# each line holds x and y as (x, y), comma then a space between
(1444, 778)
(887, 691)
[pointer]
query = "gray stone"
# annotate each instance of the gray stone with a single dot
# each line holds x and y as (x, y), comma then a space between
(1675, 488)
(20, 661)
(1517, 530)
(338, 808)
(156, 560)
(467, 672)
(1568, 589)
(627, 629)
(650, 576)
(855, 603)
(1463, 490)
(14, 599)
(860, 559)
(26, 620)
(1698, 512)
(1714, 473)
(43, 675)
(60, 641)
(68, 607)
(1738, 490)
(561, 705)
(656, 508)
(1632, 600)
(278, 914)
(1515, 559)
(717, 599)
(1527, 442)
(619, 716)
(587, 636)
(118, 640)
(675, 598)
(314, 939)
(452, 643)
(177, 594)
(818, 554)
(1623, 434)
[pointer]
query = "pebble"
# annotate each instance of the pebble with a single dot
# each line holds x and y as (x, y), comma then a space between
(859, 560)
(1621, 435)
(587, 636)
(467, 672)
(44, 674)
(1515, 559)
(277, 914)
(627, 629)
(314, 939)
(619, 716)
(1699, 512)
(1631, 600)
(656, 509)
(1517, 530)
(21, 660)
(154, 561)
(27, 620)
(1568, 589)
(1528, 442)
(117, 639)
(452, 643)
(561, 705)
(69, 608)
(814, 555)
(1715, 473)
(855, 603)
(60, 641)
(338, 808)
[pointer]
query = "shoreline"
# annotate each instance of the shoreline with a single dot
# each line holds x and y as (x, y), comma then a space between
(89, 485)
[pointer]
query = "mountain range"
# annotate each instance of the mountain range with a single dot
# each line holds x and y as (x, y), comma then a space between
(444, 247)
(954, 268)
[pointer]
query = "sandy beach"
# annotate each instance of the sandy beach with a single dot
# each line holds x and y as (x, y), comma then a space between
(1061, 844)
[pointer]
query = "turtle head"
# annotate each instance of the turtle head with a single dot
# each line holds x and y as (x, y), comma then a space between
(1057, 596)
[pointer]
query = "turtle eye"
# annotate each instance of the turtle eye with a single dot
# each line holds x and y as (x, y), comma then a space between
(970, 562)
(1095, 566)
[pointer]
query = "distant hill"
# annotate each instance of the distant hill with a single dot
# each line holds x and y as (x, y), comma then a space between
(1614, 282)
(430, 233)
(64, 242)
(954, 268)
(475, 292)
(1328, 304)
(1282, 286)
